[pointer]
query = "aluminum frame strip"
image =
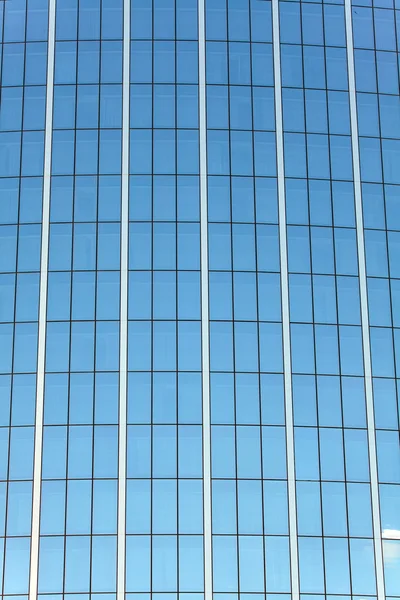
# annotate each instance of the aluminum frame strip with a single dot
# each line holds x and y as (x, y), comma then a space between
(44, 259)
(376, 521)
(205, 332)
(294, 561)
(123, 341)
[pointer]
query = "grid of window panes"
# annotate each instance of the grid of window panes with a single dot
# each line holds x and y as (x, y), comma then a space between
(77, 551)
(164, 552)
(336, 553)
(377, 42)
(23, 35)
(164, 519)
(250, 527)
(248, 446)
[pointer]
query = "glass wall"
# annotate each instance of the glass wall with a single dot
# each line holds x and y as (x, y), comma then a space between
(208, 221)
(164, 526)
(77, 551)
(336, 552)
(249, 487)
(376, 45)
(22, 123)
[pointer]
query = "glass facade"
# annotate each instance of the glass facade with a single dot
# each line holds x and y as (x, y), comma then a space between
(199, 300)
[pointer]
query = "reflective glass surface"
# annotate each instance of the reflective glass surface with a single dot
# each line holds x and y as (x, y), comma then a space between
(327, 128)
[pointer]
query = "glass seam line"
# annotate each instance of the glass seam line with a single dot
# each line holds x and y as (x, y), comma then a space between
(205, 348)
(44, 256)
(294, 562)
(123, 366)
(364, 307)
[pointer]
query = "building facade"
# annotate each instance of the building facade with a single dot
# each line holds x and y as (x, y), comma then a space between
(199, 300)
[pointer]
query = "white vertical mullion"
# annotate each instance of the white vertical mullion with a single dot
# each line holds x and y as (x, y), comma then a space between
(44, 259)
(205, 334)
(364, 307)
(123, 348)
(287, 362)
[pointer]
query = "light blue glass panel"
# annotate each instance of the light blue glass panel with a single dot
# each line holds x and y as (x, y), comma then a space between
(251, 559)
(51, 564)
(223, 453)
(224, 519)
(77, 564)
(21, 453)
(275, 507)
(164, 506)
(390, 513)
(225, 566)
(308, 508)
(337, 570)
(359, 508)
(16, 568)
(190, 508)
(138, 563)
(362, 566)
(164, 563)
(189, 451)
(250, 507)
(191, 563)
(52, 518)
(277, 564)
(79, 504)
(311, 568)
(138, 506)
(306, 453)
(353, 391)
(104, 558)
(386, 414)
(388, 451)
(391, 553)
(19, 508)
(4, 441)
(334, 514)
(357, 463)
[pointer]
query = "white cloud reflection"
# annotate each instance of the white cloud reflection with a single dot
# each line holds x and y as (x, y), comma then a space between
(391, 547)
(391, 534)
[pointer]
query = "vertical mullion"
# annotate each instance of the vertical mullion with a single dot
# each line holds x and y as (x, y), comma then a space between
(44, 256)
(123, 349)
(364, 307)
(205, 333)
(287, 363)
